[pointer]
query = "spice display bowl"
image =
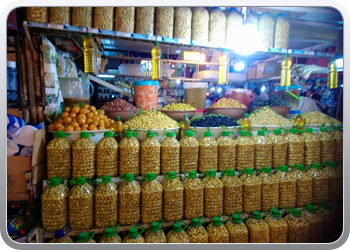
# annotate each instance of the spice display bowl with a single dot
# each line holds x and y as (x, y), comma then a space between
(143, 133)
(281, 110)
(178, 115)
(270, 128)
(75, 135)
(217, 131)
(124, 114)
(234, 113)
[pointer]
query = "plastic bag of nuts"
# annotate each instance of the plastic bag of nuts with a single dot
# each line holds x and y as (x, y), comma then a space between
(295, 149)
(217, 26)
(103, 18)
(170, 154)
(269, 189)
(304, 186)
(315, 220)
(54, 203)
(233, 191)
(217, 231)
(244, 151)
(151, 199)
(193, 196)
(61, 237)
(338, 136)
(277, 225)
(129, 154)
(183, 21)
(111, 236)
(251, 191)
(81, 204)
(237, 230)
(150, 154)
(200, 25)
(213, 195)
(279, 148)
(320, 182)
(287, 187)
(82, 17)
(86, 237)
(145, 21)
(262, 150)
(37, 14)
(83, 156)
(129, 200)
(60, 15)
(258, 229)
(196, 232)
(189, 149)
(208, 153)
(124, 19)
(107, 156)
(327, 144)
(156, 234)
(58, 154)
(298, 227)
(329, 215)
(178, 233)
(335, 184)
(164, 21)
(227, 151)
(312, 147)
(173, 192)
(106, 203)
(134, 236)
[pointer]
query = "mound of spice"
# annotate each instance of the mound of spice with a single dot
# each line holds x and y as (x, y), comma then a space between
(118, 104)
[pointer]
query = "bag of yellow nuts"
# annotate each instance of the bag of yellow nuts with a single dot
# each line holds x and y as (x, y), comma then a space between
(103, 18)
(233, 191)
(173, 192)
(314, 217)
(227, 151)
(196, 232)
(60, 15)
(217, 26)
(287, 187)
(124, 19)
(151, 199)
(217, 231)
(86, 237)
(150, 154)
(279, 148)
(82, 17)
(251, 191)
(320, 182)
(335, 184)
(200, 25)
(193, 196)
(134, 236)
(304, 186)
(54, 203)
(107, 156)
(83, 156)
(298, 227)
(106, 203)
(111, 236)
(156, 234)
(145, 21)
(37, 14)
(183, 21)
(244, 151)
(61, 237)
(129, 200)
(258, 229)
(312, 147)
(213, 194)
(269, 188)
(327, 144)
(164, 22)
(208, 153)
(189, 149)
(262, 150)
(237, 230)
(81, 204)
(295, 149)
(277, 225)
(59, 156)
(338, 149)
(129, 154)
(329, 216)
(170, 154)
(178, 234)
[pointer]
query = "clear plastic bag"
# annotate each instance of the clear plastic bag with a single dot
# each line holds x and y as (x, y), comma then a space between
(217, 231)
(189, 149)
(304, 186)
(145, 21)
(213, 195)
(107, 156)
(320, 182)
(251, 191)
(269, 189)
(60, 15)
(281, 33)
(193, 197)
(217, 26)
(227, 151)
(178, 234)
(37, 14)
(83, 156)
(298, 227)
(129, 154)
(196, 232)
(82, 17)
(245, 151)
(173, 191)
(208, 153)
(103, 18)
(156, 234)
(183, 21)
(287, 187)
(200, 25)
(170, 154)
(233, 192)
(164, 21)
(279, 149)
(150, 154)
(277, 225)
(134, 236)
(327, 144)
(295, 150)
(237, 230)
(151, 199)
(262, 150)
(125, 19)
(266, 30)
(314, 218)
(111, 236)
(312, 147)
(258, 228)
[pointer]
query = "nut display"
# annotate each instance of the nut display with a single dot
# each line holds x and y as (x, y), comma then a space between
(298, 227)
(262, 150)
(183, 21)
(258, 229)
(106, 203)
(269, 189)
(129, 200)
(314, 218)
(60, 15)
(287, 187)
(54, 204)
(266, 29)
(81, 204)
(58, 157)
(318, 118)
(237, 230)
(227, 151)
(217, 26)
(281, 33)
(193, 197)
(213, 195)
(200, 25)
(233, 190)
(178, 106)
(278, 226)
(172, 198)
(217, 231)
(107, 156)
(103, 18)
(320, 182)
(111, 236)
(251, 191)
(327, 145)
(83, 156)
(170, 154)
(129, 154)
(82, 17)
(244, 151)
(189, 149)
(196, 232)
(279, 149)
(304, 186)
(37, 14)
(150, 155)
(208, 153)
(177, 234)
(124, 19)
(164, 21)
(145, 20)
(295, 149)
(312, 147)
(134, 236)
(151, 119)
(151, 199)
(227, 103)
(155, 234)
(267, 116)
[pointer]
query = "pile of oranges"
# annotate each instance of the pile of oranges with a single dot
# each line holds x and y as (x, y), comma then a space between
(84, 118)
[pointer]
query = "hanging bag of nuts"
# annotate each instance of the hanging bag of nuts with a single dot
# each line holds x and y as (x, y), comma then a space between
(329, 216)
(129, 154)
(233, 191)
(281, 32)
(237, 230)
(86, 237)
(227, 151)
(189, 149)
(129, 200)
(61, 237)
(266, 30)
(170, 154)
(37, 14)
(82, 17)
(178, 233)
(173, 192)
(200, 25)
(269, 188)
(313, 216)
(277, 225)
(245, 151)
(145, 21)
(150, 154)
(335, 184)
(251, 191)
(208, 153)
(196, 232)
(81, 204)
(107, 156)
(279, 148)
(262, 150)
(338, 149)
(217, 26)
(193, 196)
(320, 182)
(134, 236)
(287, 187)
(258, 229)
(60, 15)
(183, 23)
(213, 194)
(234, 21)
(295, 149)
(298, 227)
(156, 234)
(304, 186)
(124, 19)
(151, 199)
(327, 144)
(164, 21)
(58, 154)
(312, 147)
(83, 156)
(111, 235)
(103, 18)
(54, 205)
(217, 231)
(106, 203)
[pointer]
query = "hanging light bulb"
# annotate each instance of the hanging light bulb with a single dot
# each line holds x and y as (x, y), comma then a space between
(332, 75)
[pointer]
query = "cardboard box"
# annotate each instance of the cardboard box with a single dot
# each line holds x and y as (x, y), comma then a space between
(267, 70)
(251, 73)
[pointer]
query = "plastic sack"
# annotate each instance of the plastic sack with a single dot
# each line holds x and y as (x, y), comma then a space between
(65, 65)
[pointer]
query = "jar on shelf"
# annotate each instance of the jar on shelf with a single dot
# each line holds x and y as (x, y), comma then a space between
(287, 187)
(145, 21)
(134, 236)
(60, 15)
(150, 154)
(217, 26)
(208, 153)
(82, 17)
(237, 230)
(111, 235)
(58, 154)
(320, 182)
(81, 204)
(338, 136)
(304, 186)
(262, 150)
(156, 234)
(54, 205)
(61, 237)
(129, 200)
(227, 151)
(86, 237)
(151, 199)
(258, 228)
(83, 156)
(335, 184)
(124, 19)
(217, 231)
(279, 148)
(189, 149)
(103, 18)
(281, 32)
(173, 191)
(183, 23)
(295, 149)
(233, 192)
(37, 14)
(213, 194)
(129, 154)
(196, 231)
(298, 227)
(329, 216)
(314, 218)
(178, 233)
(245, 151)
(107, 156)
(269, 189)
(234, 21)
(200, 25)
(106, 203)
(193, 196)
(312, 147)
(327, 144)
(277, 225)
(251, 191)
(170, 154)
(164, 21)
(266, 30)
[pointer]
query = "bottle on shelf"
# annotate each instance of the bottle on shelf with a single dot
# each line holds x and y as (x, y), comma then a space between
(185, 125)
(246, 123)
(299, 122)
(286, 72)
(118, 129)
(89, 54)
(156, 62)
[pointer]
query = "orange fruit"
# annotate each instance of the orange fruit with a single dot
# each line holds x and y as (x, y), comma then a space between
(73, 115)
(107, 125)
(81, 121)
(81, 116)
(51, 127)
(56, 125)
(96, 123)
(95, 112)
(64, 114)
(101, 111)
(96, 118)
(67, 109)
(75, 124)
(111, 121)
(92, 127)
(90, 115)
(88, 111)
(86, 106)
(101, 128)
(83, 111)
(74, 120)
(67, 119)
(61, 128)
(60, 121)
(83, 129)
(101, 116)
(76, 110)
(84, 126)
(77, 128)
(69, 128)
(92, 108)
(88, 120)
